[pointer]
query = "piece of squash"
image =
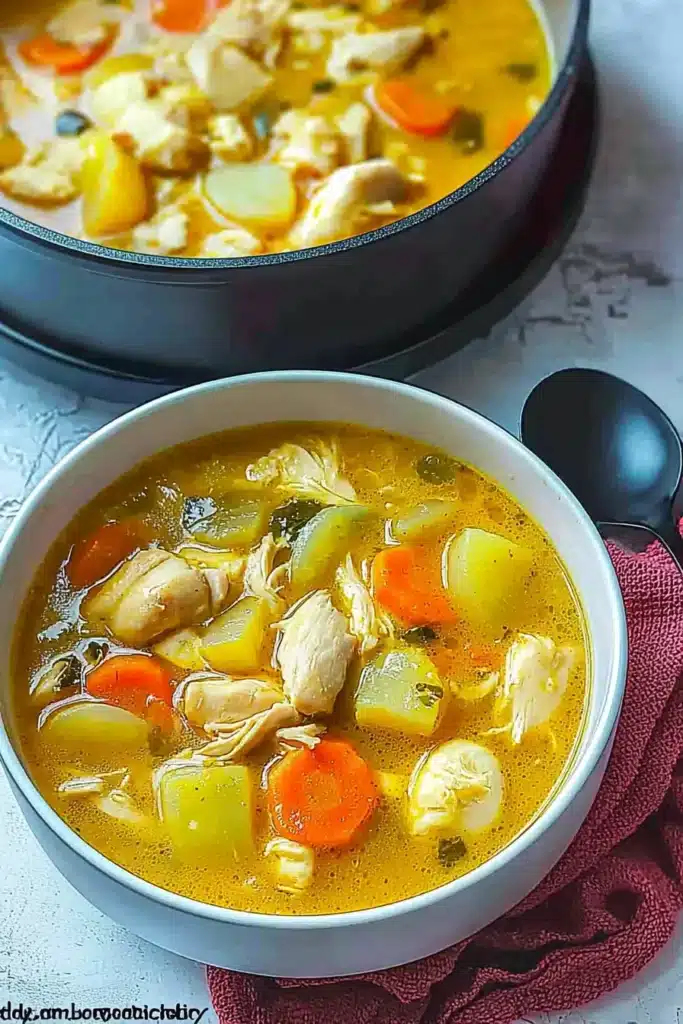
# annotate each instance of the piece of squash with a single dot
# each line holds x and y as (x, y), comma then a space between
(240, 521)
(233, 642)
(401, 691)
(485, 574)
(115, 190)
(427, 517)
(207, 811)
(321, 544)
(93, 732)
(257, 195)
(183, 649)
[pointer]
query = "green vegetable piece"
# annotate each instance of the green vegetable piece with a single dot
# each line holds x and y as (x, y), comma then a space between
(522, 72)
(437, 469)
(243, 521)
(468, 131)
(427, 517)
(323, 85)
(420, 635)
(401, 691)
(208, 812)
(233, 642)
(91, 731)
(485, 575)
(321, 544)
(450, 851)
(288, 520)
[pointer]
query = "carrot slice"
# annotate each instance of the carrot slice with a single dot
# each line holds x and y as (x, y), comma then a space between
(184, 15)
(418, 112)
(135, 682)
(44, 50)
(407, 583)
(321, 797)
(95, 556)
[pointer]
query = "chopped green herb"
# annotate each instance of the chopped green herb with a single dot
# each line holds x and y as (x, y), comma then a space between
(522, 72)
(428, 693)
(289, 520)
(437, 469)
(468, 131)
(323, 85)
(450, 851)
(420, 635)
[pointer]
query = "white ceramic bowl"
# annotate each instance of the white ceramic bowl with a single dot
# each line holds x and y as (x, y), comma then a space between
(365, 940)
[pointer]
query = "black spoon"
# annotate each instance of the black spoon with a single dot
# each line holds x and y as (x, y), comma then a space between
(612, 446)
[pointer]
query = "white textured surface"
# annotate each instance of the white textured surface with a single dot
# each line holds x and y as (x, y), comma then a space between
(615, 300)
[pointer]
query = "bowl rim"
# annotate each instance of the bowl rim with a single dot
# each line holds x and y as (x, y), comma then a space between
(585, 762)
(103, 255)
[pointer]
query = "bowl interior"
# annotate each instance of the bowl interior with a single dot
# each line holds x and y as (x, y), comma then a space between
(374, 403)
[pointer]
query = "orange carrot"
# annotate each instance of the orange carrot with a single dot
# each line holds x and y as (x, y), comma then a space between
(407, 583)
(321, 797)
(44, 50)
(95, 556)
(184, 15)
(135, 682)
(418, 112)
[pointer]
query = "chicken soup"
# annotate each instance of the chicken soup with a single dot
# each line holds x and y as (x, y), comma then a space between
(260, 664)
(213, 129)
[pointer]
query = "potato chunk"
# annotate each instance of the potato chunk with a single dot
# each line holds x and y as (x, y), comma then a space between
(115, 195)
(401, 691)
(485, 574)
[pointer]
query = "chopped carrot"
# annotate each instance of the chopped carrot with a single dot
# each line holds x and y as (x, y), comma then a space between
(135, 682)
(184, 15)
(514, 130)
(407, 583)
(64, 58)
(95, 556)
(418, 112)
(321, 797)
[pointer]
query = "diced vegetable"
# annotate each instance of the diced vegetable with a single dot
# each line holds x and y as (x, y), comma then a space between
(12, 149)
(323, 796)
(288, 520)
(119, 64)
(407, 583)
(115, 193)
(183, 649)
(95, 556)
(184, 15)
(427, 517)
(400, 690)
(207, 811)
(71, 122)
(437, 469)
(234, 641)
(468, 131)
(242, 521)
(413, 109)
(321, 544)
(91, 730)
(485, 574)
(130, 680)
(44, 50)
(257, 195)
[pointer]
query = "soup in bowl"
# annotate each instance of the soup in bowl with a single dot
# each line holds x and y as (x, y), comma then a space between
(259, 663)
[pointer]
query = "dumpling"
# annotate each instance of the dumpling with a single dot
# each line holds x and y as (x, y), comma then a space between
(457, 789)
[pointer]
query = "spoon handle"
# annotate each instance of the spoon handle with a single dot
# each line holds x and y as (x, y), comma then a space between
(673, 542)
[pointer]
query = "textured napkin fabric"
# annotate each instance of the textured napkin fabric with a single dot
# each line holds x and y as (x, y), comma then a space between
(604, 911)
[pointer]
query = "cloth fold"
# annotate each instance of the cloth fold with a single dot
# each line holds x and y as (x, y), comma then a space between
(602, 913)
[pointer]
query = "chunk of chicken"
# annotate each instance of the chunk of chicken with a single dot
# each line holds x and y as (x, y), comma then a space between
(338, 205)
(229, 138)
(160, 143)
(165, 234)
(84, 23)
(261, 579)
(292, 864)
(313, 651)
(535, 681)
(236, 740)
(155, 593)
(333, 20)
(110, 100)
(255, 26)
(306, 142)
(366, 623)
(229, 243)
(458, 788)
(49, 174)
(210, 701)
(354, 126)
(314, 473)
(297, 736)
(378, 51)
(229, 77)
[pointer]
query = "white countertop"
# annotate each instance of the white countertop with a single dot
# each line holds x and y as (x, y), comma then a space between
(614, 300)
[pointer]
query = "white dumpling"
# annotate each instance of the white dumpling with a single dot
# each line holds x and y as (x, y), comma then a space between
(457, 789)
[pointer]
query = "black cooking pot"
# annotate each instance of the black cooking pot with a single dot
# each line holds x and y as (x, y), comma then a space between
(335, 305)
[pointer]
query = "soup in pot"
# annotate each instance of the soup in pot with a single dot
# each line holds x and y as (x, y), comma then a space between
(260, 664)
(209, 129)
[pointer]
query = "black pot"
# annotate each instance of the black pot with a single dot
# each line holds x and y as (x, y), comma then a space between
(335, 305)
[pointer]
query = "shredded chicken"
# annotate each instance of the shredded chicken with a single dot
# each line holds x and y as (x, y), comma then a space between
(255, 26)
(237, 740)
(366, 623)
(165, 234)
(477, 691)
(49, 174)
(211, 701)
(311, 474)
(228, 76)
(313, 651)
(110, 99)
(298, 736)
(229, 138)
(261, 579)
(535, 681)
(457, 788)
(306, 142)
(292, 863)
(354, 125)
(340, 202)
(379, 51)
(159, 141)
(120, 805)
(230, 243)
(155, 593)
(84, 23)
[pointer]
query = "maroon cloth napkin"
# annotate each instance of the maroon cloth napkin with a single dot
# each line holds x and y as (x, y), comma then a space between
(603, 912)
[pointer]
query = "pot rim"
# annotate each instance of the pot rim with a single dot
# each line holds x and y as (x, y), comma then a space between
(93, 252)
(585, 763)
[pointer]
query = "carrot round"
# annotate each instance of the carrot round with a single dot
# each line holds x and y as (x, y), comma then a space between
(418, 112)
(184, 15)
(135, 682)
(321, 797)
(44, 50)
(95, 556)
(406, 581)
